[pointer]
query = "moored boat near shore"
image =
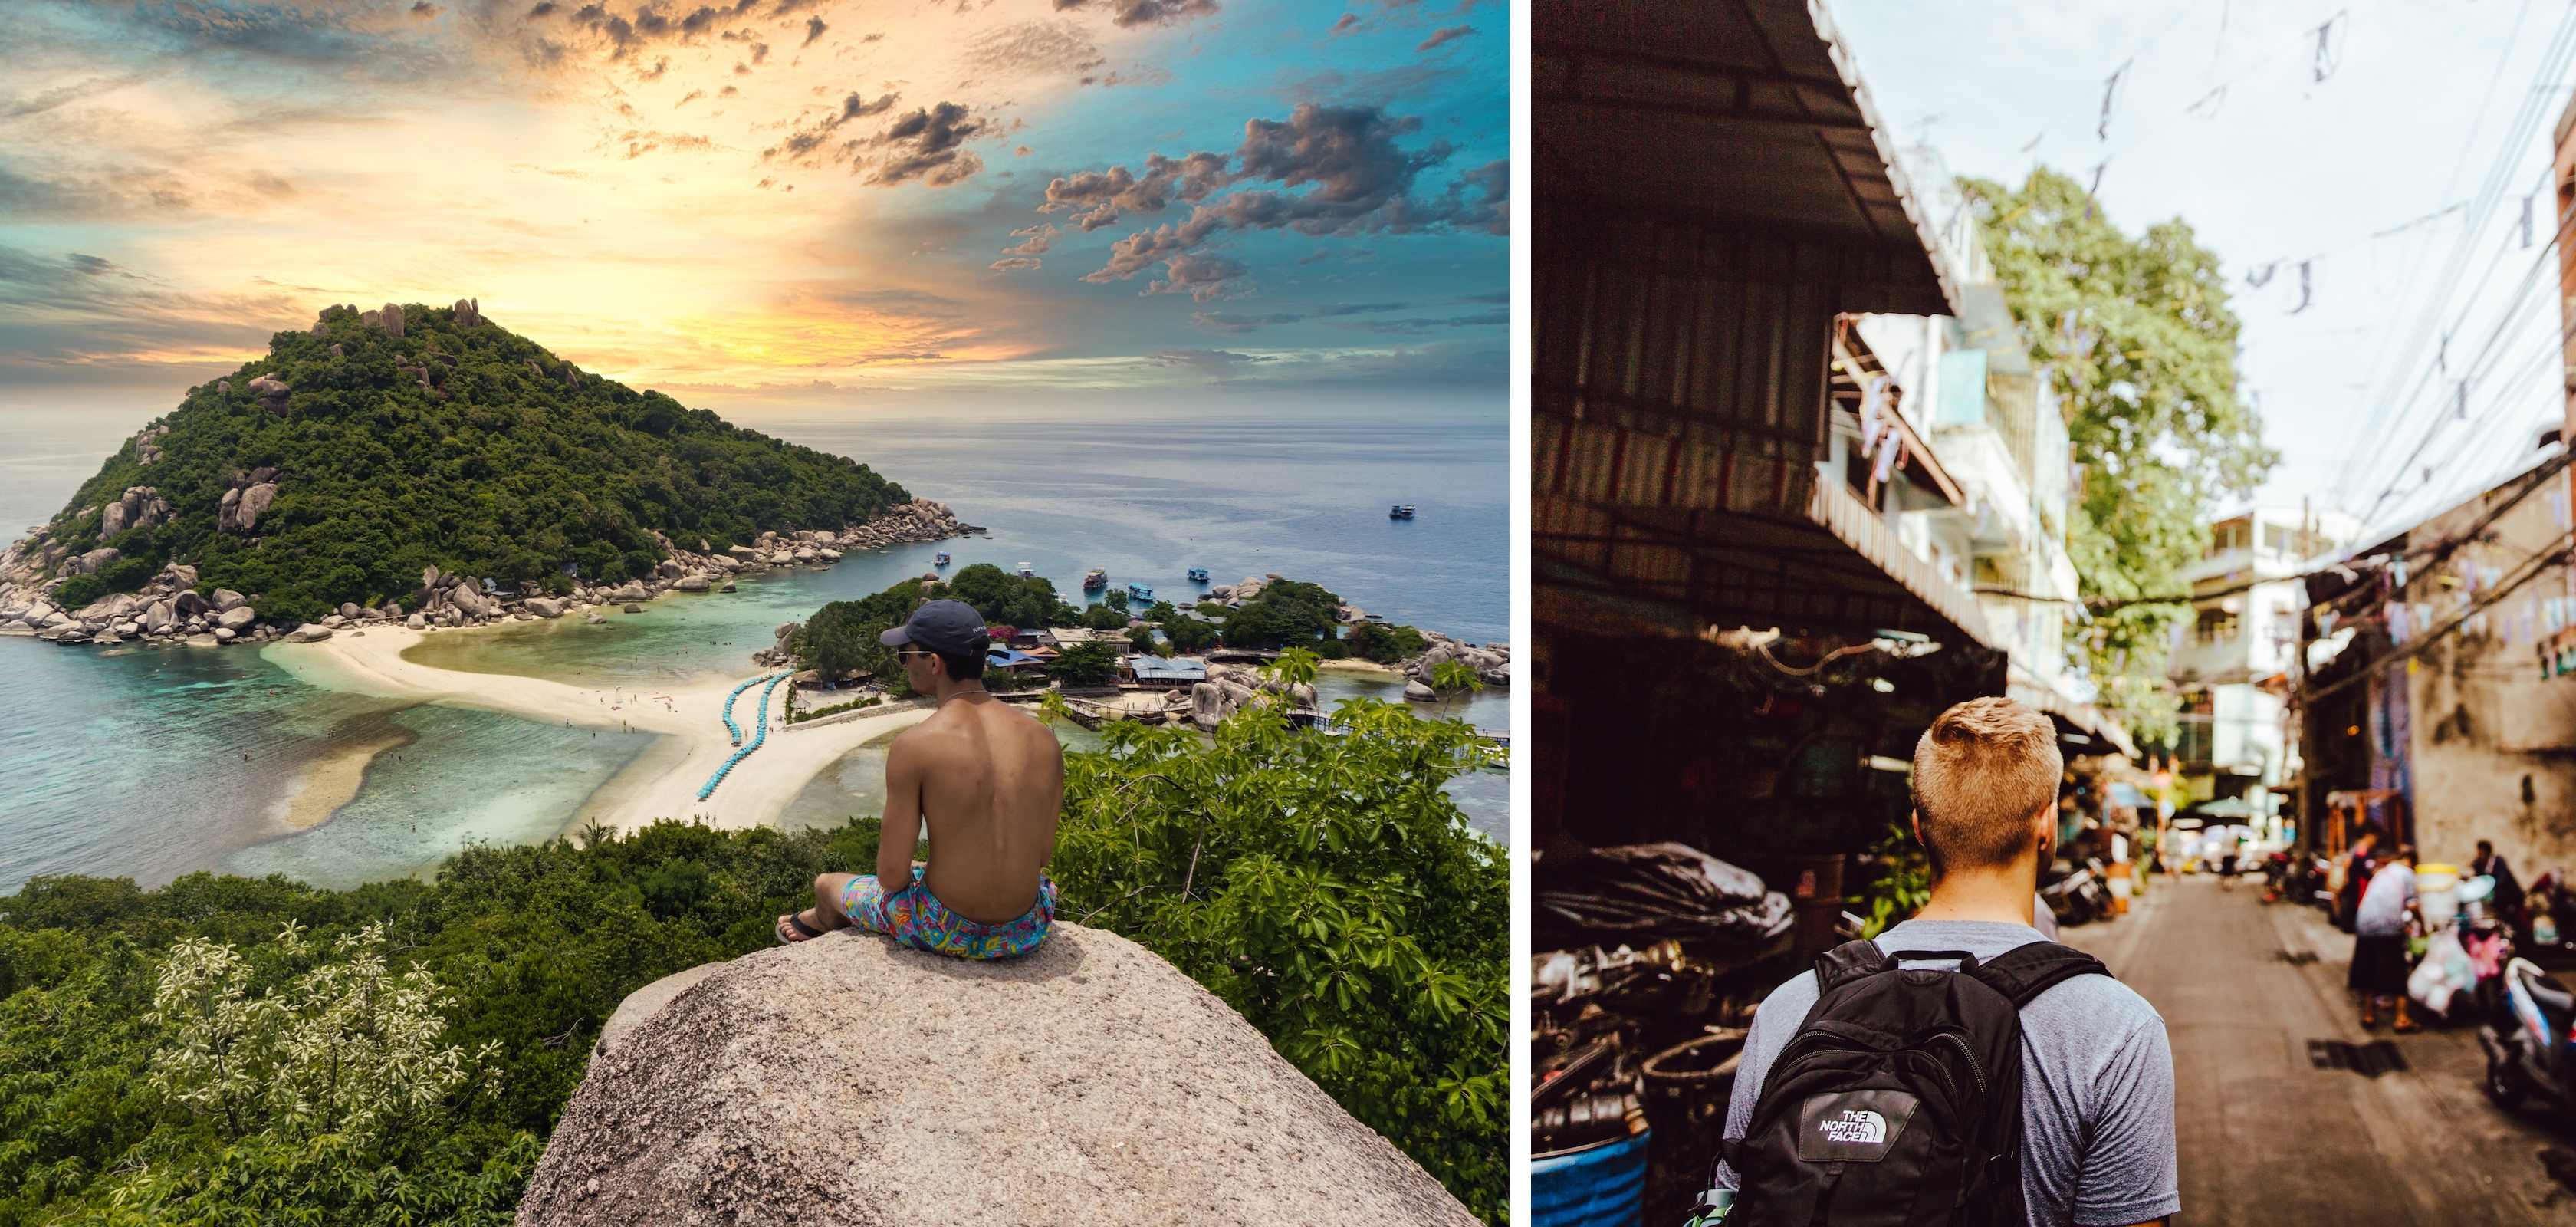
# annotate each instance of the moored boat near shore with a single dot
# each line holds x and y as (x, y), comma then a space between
(1198, 575)
(1401, 511)
(1095, 580)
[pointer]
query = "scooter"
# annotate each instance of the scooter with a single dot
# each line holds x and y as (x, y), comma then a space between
(2079, 897)
(2530, 1050)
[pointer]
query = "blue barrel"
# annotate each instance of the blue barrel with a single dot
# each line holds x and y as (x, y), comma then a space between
(1601, 1185)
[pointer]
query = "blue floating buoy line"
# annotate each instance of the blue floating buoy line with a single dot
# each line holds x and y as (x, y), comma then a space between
(758, 736)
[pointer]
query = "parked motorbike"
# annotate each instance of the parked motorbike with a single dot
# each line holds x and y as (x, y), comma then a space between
(2296, 876)
(2528, 1045)
(2077, 895)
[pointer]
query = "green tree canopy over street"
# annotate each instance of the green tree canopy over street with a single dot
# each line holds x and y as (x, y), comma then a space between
(2141, 345)
(506, 462)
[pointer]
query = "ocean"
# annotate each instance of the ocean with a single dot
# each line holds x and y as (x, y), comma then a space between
(151, 763)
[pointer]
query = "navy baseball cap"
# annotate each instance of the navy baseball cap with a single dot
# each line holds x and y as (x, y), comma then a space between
(946, 628)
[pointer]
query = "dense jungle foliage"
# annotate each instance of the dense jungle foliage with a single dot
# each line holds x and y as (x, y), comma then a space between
(226, 1050)
(466, 447)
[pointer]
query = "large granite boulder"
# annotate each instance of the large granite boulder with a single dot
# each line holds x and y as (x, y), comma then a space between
(310, 632)
(245, 514)
(227, 600)
(847, 1080)
(237, 619)
(543, 606)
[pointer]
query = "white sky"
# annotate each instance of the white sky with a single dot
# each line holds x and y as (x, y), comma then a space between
(2426, 105)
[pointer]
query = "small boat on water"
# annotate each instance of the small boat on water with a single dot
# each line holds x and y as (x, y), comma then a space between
(1401, 511)
(1026, 570)
(1139, 592)
(1094, 580)
(1198, 575)
(942, 560)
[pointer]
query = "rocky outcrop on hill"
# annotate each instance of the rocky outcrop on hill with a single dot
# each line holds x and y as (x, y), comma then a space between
(442, 600)
(849, 1080)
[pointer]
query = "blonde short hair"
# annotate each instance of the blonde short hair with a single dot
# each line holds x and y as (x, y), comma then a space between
(1980, 773)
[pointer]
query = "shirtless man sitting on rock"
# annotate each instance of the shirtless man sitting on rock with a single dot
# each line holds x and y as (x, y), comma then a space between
(988, 780)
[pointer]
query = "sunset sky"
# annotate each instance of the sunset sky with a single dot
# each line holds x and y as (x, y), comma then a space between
(766, 198)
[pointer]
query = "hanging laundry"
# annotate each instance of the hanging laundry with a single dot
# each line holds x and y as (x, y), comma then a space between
(1888, 458)
(1873, 414)
(2400, 627)
(2326, 623)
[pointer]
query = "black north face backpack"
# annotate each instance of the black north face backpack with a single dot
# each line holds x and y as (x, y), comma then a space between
(1899, 1099)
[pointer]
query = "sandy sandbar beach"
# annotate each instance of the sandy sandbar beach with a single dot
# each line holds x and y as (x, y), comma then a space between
(662, 783)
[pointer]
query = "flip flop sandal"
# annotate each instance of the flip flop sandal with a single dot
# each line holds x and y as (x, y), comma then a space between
(797, 919)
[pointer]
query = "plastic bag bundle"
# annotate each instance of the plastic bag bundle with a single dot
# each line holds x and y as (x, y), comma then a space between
(1653, 891)
(2446, 969)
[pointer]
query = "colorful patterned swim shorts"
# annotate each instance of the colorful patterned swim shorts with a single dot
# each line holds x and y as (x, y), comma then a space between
(916, 918)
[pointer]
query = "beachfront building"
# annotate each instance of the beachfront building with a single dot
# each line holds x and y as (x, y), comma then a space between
(1962, 384)
(2235, 663)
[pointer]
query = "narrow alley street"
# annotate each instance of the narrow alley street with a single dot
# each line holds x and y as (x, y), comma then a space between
(2267, 1138)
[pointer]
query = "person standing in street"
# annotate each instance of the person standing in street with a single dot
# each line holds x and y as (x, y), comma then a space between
(2095, 1136)
(2379, 939)
(2508, 891)
(2356, 877)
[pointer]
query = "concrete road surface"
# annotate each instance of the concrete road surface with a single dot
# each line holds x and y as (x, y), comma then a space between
(2265, 1138)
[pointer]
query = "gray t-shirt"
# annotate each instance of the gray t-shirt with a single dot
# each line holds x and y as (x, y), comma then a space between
(2097, 1084)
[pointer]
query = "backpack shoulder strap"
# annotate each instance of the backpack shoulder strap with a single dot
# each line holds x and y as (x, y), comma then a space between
(1848, 962)
(2024, 972)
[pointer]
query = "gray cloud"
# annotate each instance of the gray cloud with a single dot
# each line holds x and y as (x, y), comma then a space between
(1356, 178)
(1131, 13)
(1102, 195)
(1408, 327)
(1445, 34)
(1034, 47)
(1348, 23)
(1012, 263)
(1236, 325)
(1358, 308)
(1211, 361)
(814, 28)
(800, 145)
(929, 145)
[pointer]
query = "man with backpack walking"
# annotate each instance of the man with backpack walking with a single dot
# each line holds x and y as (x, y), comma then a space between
(1961, 1069)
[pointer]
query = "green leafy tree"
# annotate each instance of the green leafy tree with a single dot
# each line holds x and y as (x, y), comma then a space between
(842, 636)
(2141, 345)
(1384, 643)
(1104, 617)
(1285, 611)
(1189, 635)
(1085, 664)
(1011, 600)
(1328, 889)
(1451, 676)
(1141, 639)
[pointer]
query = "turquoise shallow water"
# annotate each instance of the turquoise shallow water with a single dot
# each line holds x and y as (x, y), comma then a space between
(132, 763)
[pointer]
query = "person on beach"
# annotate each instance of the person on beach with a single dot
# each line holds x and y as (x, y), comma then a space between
(987, 780)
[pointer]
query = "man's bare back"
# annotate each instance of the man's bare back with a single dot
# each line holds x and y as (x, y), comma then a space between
(988, 780)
